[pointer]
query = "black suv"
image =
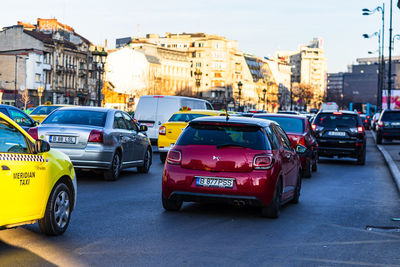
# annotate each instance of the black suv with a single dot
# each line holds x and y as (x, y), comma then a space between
(388, 126)
(340, 134)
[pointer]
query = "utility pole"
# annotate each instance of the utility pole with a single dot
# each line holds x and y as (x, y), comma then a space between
(390, 58)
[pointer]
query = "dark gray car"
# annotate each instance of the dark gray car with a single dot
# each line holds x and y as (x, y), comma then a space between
(97, 139)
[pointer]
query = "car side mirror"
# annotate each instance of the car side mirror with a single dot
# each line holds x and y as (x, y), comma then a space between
(37, 122)
(303, 151)
(41, 146)
(143, 128)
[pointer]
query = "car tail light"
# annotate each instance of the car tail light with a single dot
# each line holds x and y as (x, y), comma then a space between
(365, 120)
(302, 141)
(263, 162)
(33, 132)
(96, 136)
(174, 157)
(360, 129)
(162, 130)
(380, 123)
(313, 127)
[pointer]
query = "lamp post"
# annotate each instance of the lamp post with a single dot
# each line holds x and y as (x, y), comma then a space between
(265, 92)
(240, 91)
(197, 75)
(99, 58)
(40, 90)
(367, 12)
(380, 75)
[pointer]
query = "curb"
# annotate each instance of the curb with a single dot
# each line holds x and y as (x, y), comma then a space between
(389, 161)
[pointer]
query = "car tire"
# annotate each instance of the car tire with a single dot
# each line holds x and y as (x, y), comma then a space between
(361, 158)
(146, 162)
(307, 171)
(273, 209)
(379, 138)
(113, 173)
(296, 195)
(163, 157)
(58, 211)
(171, 204)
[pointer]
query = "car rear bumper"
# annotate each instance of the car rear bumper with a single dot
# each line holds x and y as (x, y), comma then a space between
(98, 158)
(390, 133)
(342, 148)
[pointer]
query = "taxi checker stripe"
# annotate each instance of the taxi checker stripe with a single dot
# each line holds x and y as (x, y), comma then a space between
(21, 157)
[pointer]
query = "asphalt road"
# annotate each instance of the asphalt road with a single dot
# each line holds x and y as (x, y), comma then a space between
(123, 223)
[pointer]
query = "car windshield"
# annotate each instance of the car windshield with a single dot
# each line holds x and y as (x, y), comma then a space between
(185, 117)
(44, 110)
(81, 117)
(391, 116)
(292, 125)
(224, 136)
(336, 120)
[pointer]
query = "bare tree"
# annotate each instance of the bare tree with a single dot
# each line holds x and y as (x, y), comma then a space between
(25, 98)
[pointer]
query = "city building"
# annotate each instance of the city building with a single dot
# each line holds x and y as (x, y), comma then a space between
(50, 55)
(334, 89)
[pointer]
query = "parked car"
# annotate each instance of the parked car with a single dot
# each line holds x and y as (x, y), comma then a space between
(41, 112)
(388, 126)
(242, 161)
(366, 120)
(299, 131)
(37, 183)
(154, 110)
(23, 119)
(171, 130)
(97, 138)
(341, 134)
(374, 120)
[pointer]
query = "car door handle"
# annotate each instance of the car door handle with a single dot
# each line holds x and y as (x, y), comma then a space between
(5, 168)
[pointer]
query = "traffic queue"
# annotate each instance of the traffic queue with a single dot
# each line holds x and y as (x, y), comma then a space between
(253, 159)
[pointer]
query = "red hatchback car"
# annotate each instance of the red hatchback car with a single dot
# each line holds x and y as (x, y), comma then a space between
(299, 130)
(242, 161)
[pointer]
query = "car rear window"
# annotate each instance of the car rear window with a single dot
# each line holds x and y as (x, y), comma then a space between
(336, 120)
(44, 110)
(79, 117)
(185, 117)
(292, 125)
(391, 116)
(211, 134)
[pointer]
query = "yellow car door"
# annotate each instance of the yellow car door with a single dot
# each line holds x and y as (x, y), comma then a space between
(22, 177)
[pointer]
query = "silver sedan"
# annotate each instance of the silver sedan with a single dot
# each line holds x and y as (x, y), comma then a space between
(97, 139)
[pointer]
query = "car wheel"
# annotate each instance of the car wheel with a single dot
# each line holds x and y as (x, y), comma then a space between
(296, 196)
(147, 162)
(306, 172)
(113, 173)
(361, 158)
(163, 157)
(273, 209)
(379, 138)
(171, 204)
(58, 211)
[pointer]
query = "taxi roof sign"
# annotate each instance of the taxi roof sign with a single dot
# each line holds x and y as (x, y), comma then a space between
(185, 108)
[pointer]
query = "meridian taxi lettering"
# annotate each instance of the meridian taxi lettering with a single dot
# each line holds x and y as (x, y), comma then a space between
(24, 177)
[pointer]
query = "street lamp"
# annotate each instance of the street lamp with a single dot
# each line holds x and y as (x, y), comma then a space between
(40, 90)
(381, 65)
(197, 75)
(367, 12)
(265, 92)
(99, 58)
(240, 91)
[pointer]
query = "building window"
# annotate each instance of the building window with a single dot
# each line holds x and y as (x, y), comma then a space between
(37, 78)
(198, 65)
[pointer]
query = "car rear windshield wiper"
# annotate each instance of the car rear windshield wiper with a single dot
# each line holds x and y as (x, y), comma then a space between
(230, 144)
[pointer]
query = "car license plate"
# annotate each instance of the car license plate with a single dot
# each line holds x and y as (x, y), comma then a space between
(214, 182)
(337, 133)
(62, 139)
(148, 124)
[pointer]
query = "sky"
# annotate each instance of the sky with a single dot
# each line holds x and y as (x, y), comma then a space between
(260, 26)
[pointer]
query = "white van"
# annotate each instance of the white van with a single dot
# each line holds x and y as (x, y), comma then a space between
(154, 110)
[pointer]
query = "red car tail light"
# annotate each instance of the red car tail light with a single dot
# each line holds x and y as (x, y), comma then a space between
(380, 123)
(162, 130)
(263, 162)
(33, 132)
(360, 129)
(96, 136)
(302, 141)
(174, 157)
(313, 127)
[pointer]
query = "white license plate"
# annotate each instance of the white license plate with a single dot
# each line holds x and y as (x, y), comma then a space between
(215, 182)
(62, 139)
(148, 124)
(337, 133)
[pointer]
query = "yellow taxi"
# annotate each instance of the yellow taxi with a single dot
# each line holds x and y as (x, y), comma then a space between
(36, 183)
(169, 131)
(41, 112)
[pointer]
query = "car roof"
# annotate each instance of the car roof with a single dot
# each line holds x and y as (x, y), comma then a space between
(234, 120)
(338, 111)
(200, 111)
(101, 109)
(283, 115)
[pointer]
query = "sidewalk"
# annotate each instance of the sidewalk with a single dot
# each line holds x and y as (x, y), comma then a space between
(390, 152)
